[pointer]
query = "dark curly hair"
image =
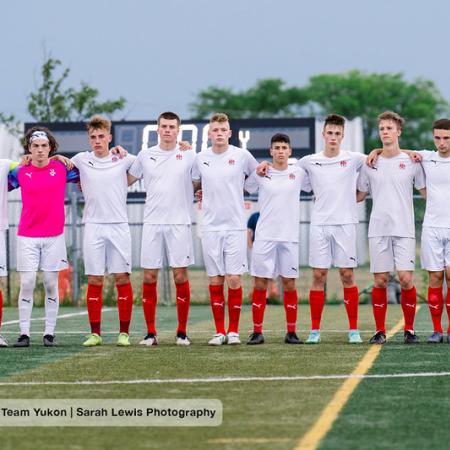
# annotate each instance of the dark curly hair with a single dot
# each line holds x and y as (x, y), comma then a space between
(51, 139)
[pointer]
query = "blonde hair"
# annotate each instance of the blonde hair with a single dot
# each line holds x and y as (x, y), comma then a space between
(99, 123)
(391, 115)
(219, 117)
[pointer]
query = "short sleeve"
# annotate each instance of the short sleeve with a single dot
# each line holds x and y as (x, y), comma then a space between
(196, 175)
(250, 163)
(363, 184)
(251, 184)
(136, 168)
(419, 176)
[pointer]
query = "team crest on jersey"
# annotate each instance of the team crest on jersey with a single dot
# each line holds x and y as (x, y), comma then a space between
(231, 162)
(179, 156)
(402, 166)
(343, 163)
(52, 172)
(292, 176)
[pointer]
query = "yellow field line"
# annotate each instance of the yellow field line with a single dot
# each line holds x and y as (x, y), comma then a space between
(323, 424)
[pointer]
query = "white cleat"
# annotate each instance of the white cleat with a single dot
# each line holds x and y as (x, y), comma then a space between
(233, 339)
(149, 340)
(218, 339)
(182, 340)
(3, 342)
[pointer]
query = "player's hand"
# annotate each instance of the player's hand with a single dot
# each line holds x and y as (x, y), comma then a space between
(372, 157)
(185, 145)
(415, 156)
(66, 161)
(25, 160)
(262, 169)
(199, 195)
(119, 150)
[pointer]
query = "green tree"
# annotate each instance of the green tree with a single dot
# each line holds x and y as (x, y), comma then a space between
(11, 124)
(352, 94)
(51, 102)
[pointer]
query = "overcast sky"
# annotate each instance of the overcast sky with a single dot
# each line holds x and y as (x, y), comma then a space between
(159, 53)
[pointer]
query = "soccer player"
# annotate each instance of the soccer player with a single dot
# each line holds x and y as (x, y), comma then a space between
(40, 236)
(435, 249)
(166, 170)
(5, 167)
(333, 174)
(275, 250)
(221, 170)
(107, 240)
(391, 226)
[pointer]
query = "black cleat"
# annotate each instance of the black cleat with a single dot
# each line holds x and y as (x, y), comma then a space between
(410, 337)
(436, 338)
(49, 340)
(23, 341)
(378, 338)
(292, 338)
(256, 339)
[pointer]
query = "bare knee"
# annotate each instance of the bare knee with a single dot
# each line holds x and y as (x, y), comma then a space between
(95, 280)
(406, 279)
(234, 281)
(347, 277)
(436, 279)
(121, 278)
(150, 276)
(288, 284)
(180, 275)
(380, 280)
(319, 278)
(261, 283)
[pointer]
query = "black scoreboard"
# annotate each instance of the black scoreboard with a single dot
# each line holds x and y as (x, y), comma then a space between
(251, 134)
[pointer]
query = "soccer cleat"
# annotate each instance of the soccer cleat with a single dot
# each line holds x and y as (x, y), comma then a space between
(23, 341)
(354, 337)
(292, 338)
(93, 340)
(123, 340)
(218, 339)
(378, 338)
(410, 337)
(182, 339)
(233, 338)
(256, 339)
(49, 340)
(3, 342)
(149, 340)
(448, 338)
(436, 338)
(314, 337)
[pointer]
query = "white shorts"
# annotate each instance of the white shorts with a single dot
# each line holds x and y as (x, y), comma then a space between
(435, 249)
(46, 253)
(176, 239)
(389, 253)
(332, 245)
(3, 268)
(225, 252)
(273, 258)
(106, 247)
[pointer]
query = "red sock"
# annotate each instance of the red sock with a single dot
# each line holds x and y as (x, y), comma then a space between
(379, 307)
(447, 306)
(436, 306)
(234, 309)
(149, 300)
(316, 304)
(409, 301)
(258, 307)
(94, 302)
(351, 301)
(183, 301)
(1, 307)
(290, 308)
(125, 305)
(218, 306)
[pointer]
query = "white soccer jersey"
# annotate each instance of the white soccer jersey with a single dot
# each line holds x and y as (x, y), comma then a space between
(168, 184)
(437, 171)
(391, 183)
(279, 203)
(4, 170)
(222, 176)
(333, 181)
(104, 184)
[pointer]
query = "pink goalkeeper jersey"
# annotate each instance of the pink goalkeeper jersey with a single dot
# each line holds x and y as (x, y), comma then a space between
(42, 199)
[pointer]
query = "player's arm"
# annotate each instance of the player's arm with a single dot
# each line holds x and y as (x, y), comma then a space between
(119, 150)
(73, 176)
(62, 159)
(373, 155)
(131, 179)
(423, 192)
(362, 184)
(360, 196)
(262, 168)
(13, 177)
(249, 238)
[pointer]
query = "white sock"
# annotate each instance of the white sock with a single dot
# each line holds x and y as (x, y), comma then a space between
(27, 283)
(51, 301)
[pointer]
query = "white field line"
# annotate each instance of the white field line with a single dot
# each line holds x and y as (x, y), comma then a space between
(230, 379)
(62, 316)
